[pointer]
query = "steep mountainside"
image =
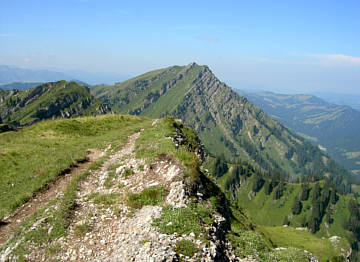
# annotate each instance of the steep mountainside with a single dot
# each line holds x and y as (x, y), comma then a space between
(225, 122)
(50, 100)
(335, 128)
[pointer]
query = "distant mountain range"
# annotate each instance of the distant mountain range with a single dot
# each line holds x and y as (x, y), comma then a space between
(352, 100)
(333, 127)
(20, 85)
(11, 74)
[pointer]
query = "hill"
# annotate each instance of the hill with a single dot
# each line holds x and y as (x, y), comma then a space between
(50, 100)
(225, 122)
(142, 198)
(333, 127)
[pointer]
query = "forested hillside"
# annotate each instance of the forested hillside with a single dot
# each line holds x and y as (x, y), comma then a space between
(334, 128)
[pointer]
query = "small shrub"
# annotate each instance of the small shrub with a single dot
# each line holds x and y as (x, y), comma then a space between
(106, 200)
(185, 247)
(128, 172)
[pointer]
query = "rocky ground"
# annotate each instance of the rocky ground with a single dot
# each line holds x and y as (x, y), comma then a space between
(105, 228)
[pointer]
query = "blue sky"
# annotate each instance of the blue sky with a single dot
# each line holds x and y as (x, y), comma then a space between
(284, 46)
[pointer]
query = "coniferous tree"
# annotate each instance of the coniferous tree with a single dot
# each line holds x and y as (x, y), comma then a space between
(333, 196)
(304, 191)
(303, 222)
(279, 190)
(297, 206)
(220, 166)
(328, 218)
(233, 179)
(258, 182)
(353, 225)
(315, 192)
(286, 221)
(268, 187)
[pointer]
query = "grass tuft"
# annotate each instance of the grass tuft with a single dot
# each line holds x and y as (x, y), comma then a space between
(81, 230)
(150, 196)
(184, 220)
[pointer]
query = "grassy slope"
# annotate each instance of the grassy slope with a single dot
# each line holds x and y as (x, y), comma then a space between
(174, 96)
(125, 90)
(35, 155)
(323, 249)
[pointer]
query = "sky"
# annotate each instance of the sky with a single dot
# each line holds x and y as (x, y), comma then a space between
(281, 46)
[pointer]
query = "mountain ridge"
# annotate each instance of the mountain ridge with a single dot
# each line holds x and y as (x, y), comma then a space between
(225, 121)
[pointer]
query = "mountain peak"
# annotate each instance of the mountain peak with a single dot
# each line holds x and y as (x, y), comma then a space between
(192, 64)
(225, 122)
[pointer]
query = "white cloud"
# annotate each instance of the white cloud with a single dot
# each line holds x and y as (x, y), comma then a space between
(336, 59)
(26, 60)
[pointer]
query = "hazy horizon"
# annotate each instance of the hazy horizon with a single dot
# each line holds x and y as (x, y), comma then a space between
(274, 46)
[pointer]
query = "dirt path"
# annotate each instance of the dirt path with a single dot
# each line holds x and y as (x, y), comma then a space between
(116, 231)
(43, 196)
